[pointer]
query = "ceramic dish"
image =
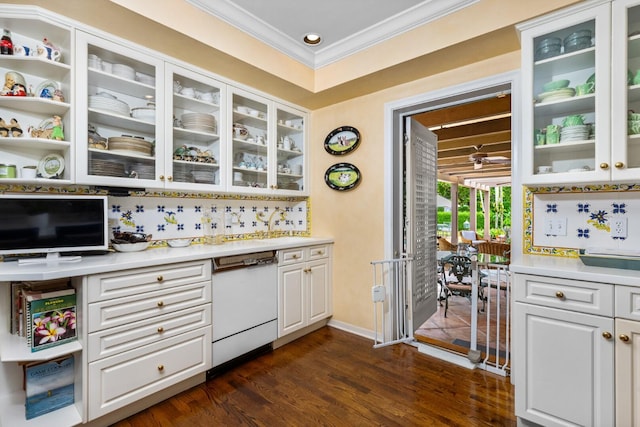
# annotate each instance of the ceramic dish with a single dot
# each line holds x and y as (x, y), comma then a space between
(46, 89)
(179, 243)
(51, 165)
(131, 247)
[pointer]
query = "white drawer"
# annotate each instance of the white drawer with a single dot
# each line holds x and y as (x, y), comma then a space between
(576, 295)
(117, 381)
(317, 252)
(628, 302)
(124, 311)
(127, 337)
(291, 256)
(140, 280)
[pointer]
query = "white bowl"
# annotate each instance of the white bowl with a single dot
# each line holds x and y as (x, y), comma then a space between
(179, 243)
(131, 247)
(144, 113)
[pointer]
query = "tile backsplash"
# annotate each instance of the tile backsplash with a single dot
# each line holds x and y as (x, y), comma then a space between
(560, 221)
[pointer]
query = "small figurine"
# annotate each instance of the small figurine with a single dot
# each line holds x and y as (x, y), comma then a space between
(58, 95)
(57, 133)
(16, 130)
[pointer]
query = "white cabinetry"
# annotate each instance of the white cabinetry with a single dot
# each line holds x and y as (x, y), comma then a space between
(42, 76)
(564, 349)
(147, 329)
(304, 287)
(627, 338)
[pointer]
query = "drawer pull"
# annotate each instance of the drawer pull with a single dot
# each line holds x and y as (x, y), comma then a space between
(160, 368)
(160, 304)
(161, 330)
(160, 278)
(607, 335)
(294, 256)
(624, 337)
(319, 253)
(560, 294)
(307, 270)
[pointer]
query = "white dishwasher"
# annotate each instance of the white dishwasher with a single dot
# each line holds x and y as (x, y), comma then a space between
(245, 306)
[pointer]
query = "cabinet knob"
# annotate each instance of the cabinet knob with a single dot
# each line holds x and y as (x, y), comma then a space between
(607, 335)
(160, 304)
(294, 256)
(160, 278)
(624, 337)
(161, 177)
(161, 330)
(560, 294)
(160, 368)
(169, 178)
(619, 165)
(604, 165)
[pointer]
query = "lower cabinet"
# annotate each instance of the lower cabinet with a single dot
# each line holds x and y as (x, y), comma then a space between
(627, 339)
(304, 287)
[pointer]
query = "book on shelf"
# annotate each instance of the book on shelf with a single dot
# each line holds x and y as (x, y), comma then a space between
(49, 385)
(50, 318)
(17, 321)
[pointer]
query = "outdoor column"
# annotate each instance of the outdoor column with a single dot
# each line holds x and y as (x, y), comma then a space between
(454, 213)
(487, 215)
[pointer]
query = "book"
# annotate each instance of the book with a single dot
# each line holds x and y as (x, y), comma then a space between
(49, 385)
(51, 318)
(17, 323)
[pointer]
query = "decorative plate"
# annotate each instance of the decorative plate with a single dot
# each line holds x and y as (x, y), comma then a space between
(342, 176)
(46, 89)
(342, 140)
(51, 166)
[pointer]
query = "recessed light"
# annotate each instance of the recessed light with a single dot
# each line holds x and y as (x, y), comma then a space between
(312, 39)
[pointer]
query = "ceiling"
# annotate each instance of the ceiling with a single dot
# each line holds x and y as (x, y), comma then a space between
(346, 27)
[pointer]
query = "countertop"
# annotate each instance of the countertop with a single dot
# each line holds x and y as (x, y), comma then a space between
(147, 258)
(573, 268)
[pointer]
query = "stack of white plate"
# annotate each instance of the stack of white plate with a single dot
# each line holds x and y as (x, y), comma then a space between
(203, 176)
(199, 121)
(130, 145)
(146, 79)
(574, 133)
(557, 94)
(109, 103)
(182, 175)
(144, 170)
(105, 168)
(124, 71)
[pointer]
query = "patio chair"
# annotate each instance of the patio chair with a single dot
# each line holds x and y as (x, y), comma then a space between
(445, 245)
(470, 237)
(456, 279)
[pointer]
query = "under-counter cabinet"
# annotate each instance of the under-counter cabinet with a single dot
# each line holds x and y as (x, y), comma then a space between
(627, 338)
(147, 329)
(563, 351)
(304, 287)
(40, 77)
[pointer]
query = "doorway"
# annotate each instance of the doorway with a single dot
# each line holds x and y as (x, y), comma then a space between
(396, 114)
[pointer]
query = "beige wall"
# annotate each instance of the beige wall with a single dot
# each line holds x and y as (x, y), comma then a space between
(355, 218)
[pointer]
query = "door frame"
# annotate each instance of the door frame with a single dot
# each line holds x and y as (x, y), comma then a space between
(394, 115)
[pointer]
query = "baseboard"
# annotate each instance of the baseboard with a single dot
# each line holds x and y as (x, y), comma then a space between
(365, 333)
(298, 334)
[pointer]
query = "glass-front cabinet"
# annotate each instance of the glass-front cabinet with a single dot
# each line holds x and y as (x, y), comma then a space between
(120, 138)
(290, 139)
(566, 96)
(195, 143)
(36, 113)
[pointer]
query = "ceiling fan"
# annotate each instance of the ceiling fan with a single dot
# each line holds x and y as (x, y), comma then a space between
(480, 158)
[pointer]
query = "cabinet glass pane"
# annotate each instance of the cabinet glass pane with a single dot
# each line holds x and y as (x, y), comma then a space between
(121, 115)
(196, 127)
(250, 144)
(290, 134)
(564, 87)
(633, 97)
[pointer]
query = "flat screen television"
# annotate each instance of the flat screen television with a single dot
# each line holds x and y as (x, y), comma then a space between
(52, 224)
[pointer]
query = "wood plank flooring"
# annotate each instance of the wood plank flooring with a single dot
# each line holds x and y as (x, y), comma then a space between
(334, 378)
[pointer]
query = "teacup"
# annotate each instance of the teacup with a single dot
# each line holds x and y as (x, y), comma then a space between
(47, 52)
(636, 78)
(188, 91)
(204, 96)
(584, 89)
(553, 134)
(22, 50)
(633, 127)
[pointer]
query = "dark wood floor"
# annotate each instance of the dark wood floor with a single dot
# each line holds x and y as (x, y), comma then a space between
(334, 378)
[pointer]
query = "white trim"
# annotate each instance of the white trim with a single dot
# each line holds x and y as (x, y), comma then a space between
(356, 330)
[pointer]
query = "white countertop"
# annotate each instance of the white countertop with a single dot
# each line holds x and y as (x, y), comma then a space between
(149, 257)
(573, 268)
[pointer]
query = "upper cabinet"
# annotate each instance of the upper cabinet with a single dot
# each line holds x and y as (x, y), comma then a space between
(36, 114)
(119, 125)
(566, 67)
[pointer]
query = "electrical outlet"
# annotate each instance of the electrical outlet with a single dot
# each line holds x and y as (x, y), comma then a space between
(560, 226)
(548, 226)
(619, 228)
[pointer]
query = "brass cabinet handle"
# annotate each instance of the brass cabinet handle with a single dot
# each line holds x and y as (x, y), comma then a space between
(160, 278)
(607, 335)
(169, 178)
(160, 329)
(160, 368)
(604, 166)
(307, 270)
(160, 303)
(294, 256)
(161, 177)
(560, 294)
(619, 165)
(624, 337)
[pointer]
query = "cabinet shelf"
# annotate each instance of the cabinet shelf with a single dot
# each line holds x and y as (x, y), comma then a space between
(34, 105)
(290, 128)
(187, 162)
(194, 135)
(37, 66)
(193, 104)
(249, 120)
(583, 103)
(13, 414)
(251, 146)
(561, 64)
(13, 348)
(634, 93)
(123, 122)
(38, 143)
(566, 146)
(247, 170)
(118, 84)
(288, 154)
(123, 153)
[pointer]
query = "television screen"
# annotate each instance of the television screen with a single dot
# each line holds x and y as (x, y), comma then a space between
(52, 223)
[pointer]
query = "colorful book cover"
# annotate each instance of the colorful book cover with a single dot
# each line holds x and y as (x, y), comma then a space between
(52, 321)
(49, 386)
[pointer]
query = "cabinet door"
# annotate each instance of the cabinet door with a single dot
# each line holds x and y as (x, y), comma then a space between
(625, 89)
(566, 117)
(194, 149)
(290, 170)
(121, 102)
(319, 285)
(564, 371)
(51, 158)
(627, 373)
(292, 307)
(251, 137)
